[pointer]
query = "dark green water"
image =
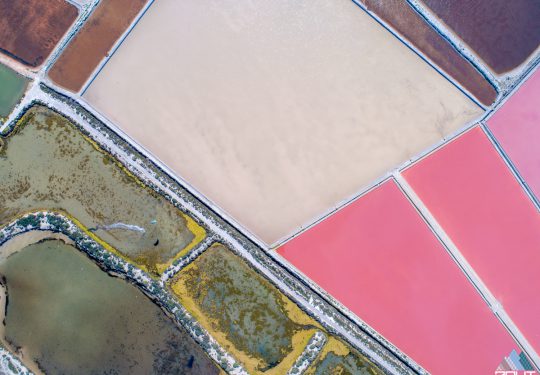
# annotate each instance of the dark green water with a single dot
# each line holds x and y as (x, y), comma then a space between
(12, 87)
(70, 317)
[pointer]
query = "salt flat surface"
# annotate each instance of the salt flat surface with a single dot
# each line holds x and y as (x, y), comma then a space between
(276, 111)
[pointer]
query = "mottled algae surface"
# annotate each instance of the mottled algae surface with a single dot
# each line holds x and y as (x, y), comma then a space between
(31, 29)
(413, 27)
(503, 33)
(337, 358)
(66, 316)
(48, 164)
(248, 316)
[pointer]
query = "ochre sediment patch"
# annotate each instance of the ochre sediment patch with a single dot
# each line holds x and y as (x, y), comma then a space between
(336, 357)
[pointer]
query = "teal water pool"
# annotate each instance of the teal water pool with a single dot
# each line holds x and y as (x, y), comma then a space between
(12, 87)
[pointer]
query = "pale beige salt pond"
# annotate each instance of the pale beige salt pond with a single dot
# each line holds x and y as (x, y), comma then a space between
(275, 111)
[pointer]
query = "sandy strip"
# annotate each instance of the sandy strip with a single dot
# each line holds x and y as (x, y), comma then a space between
(20, 241)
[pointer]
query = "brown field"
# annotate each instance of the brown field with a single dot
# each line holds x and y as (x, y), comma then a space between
(502, 33)
(30, 29)
(94, 42)
(401, 16)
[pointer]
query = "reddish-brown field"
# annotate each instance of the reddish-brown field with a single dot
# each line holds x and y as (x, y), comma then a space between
(401, 16)
(30, 29)
(502, 33)
(94, 42)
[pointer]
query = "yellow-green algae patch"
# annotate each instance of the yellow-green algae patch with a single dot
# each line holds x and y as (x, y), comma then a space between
(48, 164)
(244, 312)
(338, 358)
(66, 316)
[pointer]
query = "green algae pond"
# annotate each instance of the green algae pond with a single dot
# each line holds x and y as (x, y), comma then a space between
(46, 163)
(243, 311)
(66, 316)
(12, 88)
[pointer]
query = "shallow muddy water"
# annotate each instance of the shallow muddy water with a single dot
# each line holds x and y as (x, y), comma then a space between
(66, 316)
(48, 164)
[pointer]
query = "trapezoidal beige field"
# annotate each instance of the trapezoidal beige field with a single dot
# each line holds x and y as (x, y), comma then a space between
(276, 111)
